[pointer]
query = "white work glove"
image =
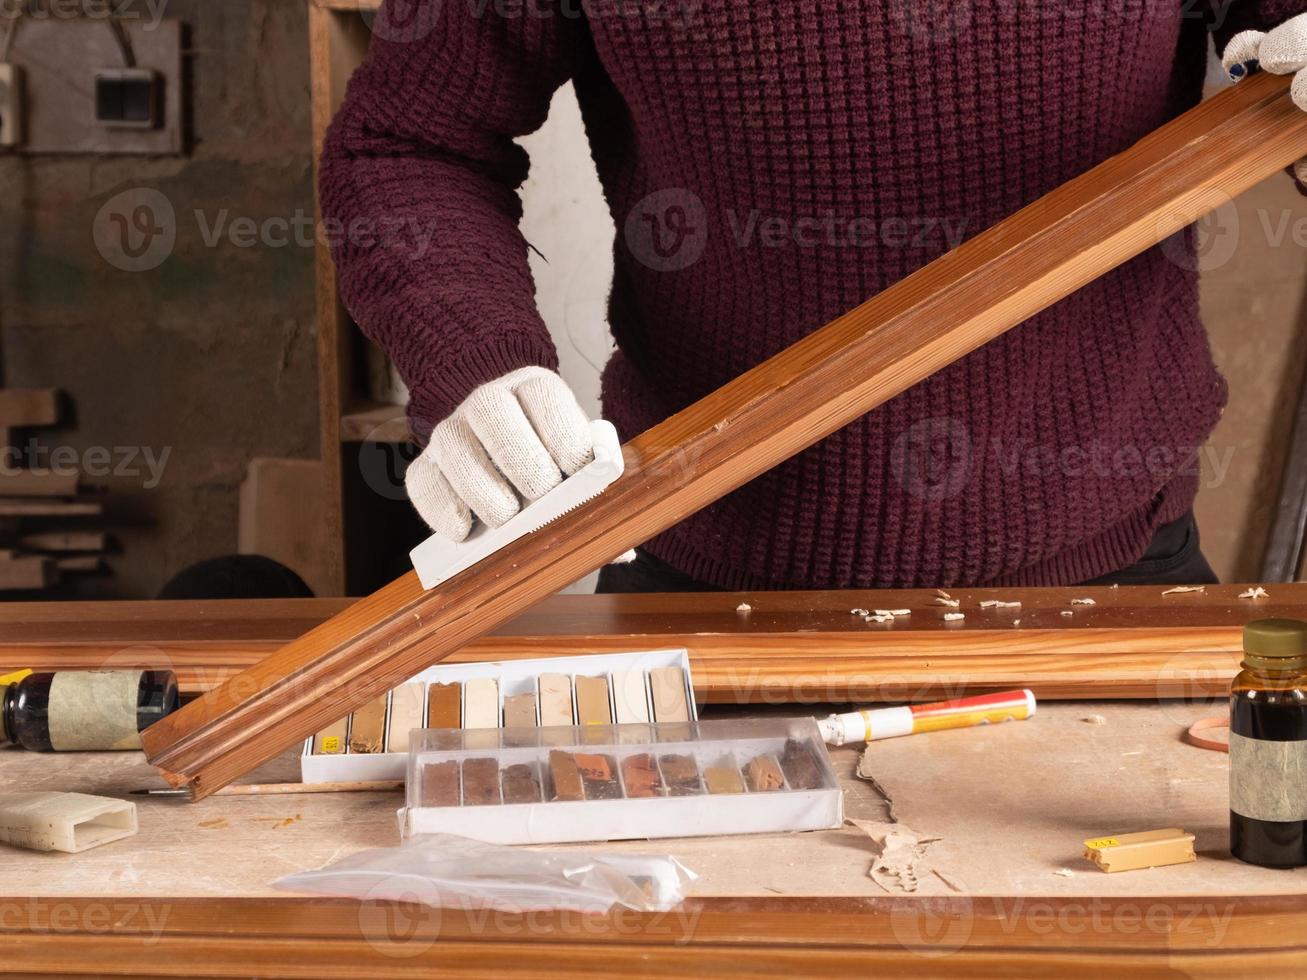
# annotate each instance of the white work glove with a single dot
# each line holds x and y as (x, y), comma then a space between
(1282, 51)
(512, 439)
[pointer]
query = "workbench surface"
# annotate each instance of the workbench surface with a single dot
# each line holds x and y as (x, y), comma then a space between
(1010, 806)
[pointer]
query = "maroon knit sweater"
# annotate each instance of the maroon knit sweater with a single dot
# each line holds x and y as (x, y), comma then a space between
(771, 164)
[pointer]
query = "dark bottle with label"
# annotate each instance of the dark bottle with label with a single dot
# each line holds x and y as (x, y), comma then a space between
(85, 710)
(1268, 746)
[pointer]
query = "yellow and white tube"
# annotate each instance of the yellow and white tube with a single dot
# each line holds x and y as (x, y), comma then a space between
(873, 724)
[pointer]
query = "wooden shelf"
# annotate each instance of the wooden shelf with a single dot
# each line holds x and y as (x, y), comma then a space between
(348, 6)
(374, 422)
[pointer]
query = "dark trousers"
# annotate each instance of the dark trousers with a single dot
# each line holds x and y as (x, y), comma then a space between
(1174, 557)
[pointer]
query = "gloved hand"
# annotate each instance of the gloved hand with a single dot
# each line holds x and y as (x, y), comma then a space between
(1282, 51)
(515, 437)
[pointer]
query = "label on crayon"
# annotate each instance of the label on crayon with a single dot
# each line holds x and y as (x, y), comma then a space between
(1098, 845)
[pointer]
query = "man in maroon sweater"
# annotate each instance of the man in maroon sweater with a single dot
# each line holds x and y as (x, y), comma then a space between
(769, 166)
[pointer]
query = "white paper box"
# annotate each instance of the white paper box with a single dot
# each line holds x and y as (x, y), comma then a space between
(513, 677)
(551, 822)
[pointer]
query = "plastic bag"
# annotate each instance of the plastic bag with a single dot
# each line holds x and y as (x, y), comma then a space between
(447, 871)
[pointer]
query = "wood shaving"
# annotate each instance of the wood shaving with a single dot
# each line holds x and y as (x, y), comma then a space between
(954, 617)
(879, 618)
(999, 604)
(1185, 589)
(893, 612)
(1094, 720)
(1065, 873)
(942, 594)
(1084, 602)
(1116, 585)
(1016, 622)
(859, 612)
(1255, 593)
(951, 603)
(1067, 612)
(898, 855)
(743, 607)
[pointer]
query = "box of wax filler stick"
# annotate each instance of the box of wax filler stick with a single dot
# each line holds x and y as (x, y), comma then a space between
(622, 782)
(648, 686)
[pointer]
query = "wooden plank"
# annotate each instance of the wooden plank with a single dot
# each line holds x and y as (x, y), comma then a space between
(793, 647)
(840, 372)
(21, 407)
(375, 423)
(26, 573)
(39, 507)
(338, 41)
(38, 483)
(1002, 945)
(64, 541)
(78, 563)
(281, 517)
(349, 6)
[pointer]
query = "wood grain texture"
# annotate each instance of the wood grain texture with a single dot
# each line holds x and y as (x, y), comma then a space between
(957, 303)
(959, 937)
(793, 647)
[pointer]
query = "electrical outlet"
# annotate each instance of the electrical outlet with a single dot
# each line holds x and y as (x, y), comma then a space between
(127, 97)
(12, 121)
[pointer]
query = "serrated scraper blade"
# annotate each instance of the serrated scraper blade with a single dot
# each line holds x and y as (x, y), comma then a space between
(438, 559)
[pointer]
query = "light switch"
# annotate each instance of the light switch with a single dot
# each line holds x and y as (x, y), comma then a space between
(127, 97)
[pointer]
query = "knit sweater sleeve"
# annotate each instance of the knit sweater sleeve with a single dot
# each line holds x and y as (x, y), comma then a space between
(417, 184)
(1229, 17)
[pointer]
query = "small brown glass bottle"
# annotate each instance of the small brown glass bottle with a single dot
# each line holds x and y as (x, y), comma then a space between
(85, 710)
(1268, 746)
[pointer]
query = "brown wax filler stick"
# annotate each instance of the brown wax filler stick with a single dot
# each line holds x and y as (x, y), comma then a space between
(565, 776)
(520, 784)
(480, 782)
(681, 775)
(592, 705)
(599, 775)
(764, 775)
(641, 776)
(443, 705)
(668, 686)
(367, 729)
(520, 711)
(723, 778)
(836, 374)
(331, 740)
(440, 784)
(801, 769)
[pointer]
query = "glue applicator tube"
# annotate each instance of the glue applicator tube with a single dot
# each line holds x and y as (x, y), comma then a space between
(873, 724)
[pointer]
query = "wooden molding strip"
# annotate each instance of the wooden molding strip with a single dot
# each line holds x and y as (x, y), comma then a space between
(793, 647)
(974, 936)
(859, 361)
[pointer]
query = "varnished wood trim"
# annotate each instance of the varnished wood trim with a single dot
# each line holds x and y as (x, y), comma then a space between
(843, 370)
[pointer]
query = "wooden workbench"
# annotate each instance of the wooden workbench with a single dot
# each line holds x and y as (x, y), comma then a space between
(1004, 889)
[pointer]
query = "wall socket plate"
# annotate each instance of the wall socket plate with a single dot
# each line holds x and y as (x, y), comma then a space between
(12, 105)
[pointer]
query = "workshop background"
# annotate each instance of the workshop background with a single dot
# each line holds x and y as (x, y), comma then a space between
(179, 306)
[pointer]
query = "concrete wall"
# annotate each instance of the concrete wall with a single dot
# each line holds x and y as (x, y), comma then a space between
(208, 357)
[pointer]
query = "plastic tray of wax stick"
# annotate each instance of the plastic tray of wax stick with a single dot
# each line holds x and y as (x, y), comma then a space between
(622, 782)
(514, 677)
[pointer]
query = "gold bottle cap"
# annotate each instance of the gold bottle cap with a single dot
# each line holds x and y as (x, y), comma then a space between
(1277, 644)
